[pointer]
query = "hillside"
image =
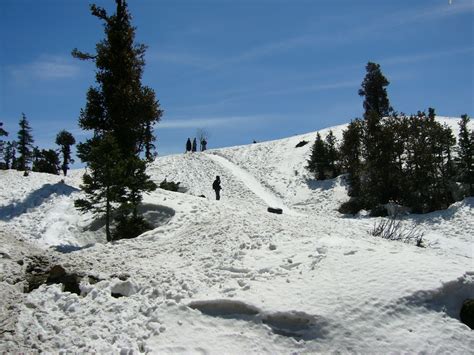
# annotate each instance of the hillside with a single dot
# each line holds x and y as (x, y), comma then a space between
(227, 276)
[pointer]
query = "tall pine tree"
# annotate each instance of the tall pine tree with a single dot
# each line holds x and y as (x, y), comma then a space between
(24, 145)
(121, 113)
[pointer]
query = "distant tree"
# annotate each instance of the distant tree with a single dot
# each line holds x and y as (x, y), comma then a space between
(332, 155)
(25, 145)
(35, 157)
(351, 156)
(318, 161)
(428, 180)
(46, 161)
(466, 154)
(121, 112)
(9, 155)
(2, 143)
(188, 145)
(65, 140)
(374, 92)
(194, 147)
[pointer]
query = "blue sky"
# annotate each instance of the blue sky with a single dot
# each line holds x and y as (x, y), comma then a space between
(241, 69)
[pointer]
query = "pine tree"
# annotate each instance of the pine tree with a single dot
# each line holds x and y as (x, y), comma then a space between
(46, 161)
(101, 181)
(25, 145)
(376, 184)
(188, 145)
(374, 92)
(332, 155)
(466, 154)
(65, 140)
(2, 143)
(35, 157)
(121, 113)
(351, 155)
(9, 155)
(194, 147)
(318, 161)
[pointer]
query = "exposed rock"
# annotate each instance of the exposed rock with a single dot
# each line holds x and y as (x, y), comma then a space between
(275, 210)
(467, 313)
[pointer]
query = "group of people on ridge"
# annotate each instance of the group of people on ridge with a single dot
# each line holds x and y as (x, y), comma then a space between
(192, 147)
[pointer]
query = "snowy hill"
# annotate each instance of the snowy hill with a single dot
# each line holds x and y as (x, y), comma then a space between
(227, 276)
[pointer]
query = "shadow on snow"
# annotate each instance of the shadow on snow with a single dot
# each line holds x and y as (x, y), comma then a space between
(34, 199)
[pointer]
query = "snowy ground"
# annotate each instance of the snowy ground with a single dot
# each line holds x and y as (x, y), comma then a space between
(227, 276)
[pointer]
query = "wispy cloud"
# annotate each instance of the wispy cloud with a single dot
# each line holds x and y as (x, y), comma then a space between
(45, 68)
(208, 122)
(414, 58)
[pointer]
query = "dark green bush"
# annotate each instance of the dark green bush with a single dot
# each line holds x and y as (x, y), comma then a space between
(169, 185)
(130, 227)
(353, 206)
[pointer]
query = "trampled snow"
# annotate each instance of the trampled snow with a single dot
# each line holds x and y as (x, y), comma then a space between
(226, 276)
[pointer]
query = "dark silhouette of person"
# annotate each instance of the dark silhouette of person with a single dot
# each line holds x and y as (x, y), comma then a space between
(216, 186)
(188, 145)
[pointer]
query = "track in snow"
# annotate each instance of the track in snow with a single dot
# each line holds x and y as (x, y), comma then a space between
(252, 183)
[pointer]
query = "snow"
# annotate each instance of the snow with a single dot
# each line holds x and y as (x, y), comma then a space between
(227, 276)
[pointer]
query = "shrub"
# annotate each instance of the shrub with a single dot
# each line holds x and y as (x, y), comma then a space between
(353, 206)
(393, 229)
(169, 185)
(130, 227)
(379, 211)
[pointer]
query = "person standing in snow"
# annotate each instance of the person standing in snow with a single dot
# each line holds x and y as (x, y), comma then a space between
(216, 186)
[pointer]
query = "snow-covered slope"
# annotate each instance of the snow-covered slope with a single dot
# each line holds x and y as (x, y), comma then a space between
(227, 276)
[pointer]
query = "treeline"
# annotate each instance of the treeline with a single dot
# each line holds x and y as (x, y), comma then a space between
(389, 157)
(22, 155)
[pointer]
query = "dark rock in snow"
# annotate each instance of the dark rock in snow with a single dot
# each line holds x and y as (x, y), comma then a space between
(275, 210)
(301, 144)
(467, 313)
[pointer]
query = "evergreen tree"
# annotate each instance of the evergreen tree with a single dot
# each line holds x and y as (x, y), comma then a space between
(36, 156)
(194, 147)
(2, 143)
(427, 165)
(101, 182)
(351, 155)
(46, 161)
(374, 92)
(376, 183)
(65, 140)
(24, 145)
(121, 113)
(188, 145)
(9, 155)
(332, 155)
(318, 161)
(466, 154)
